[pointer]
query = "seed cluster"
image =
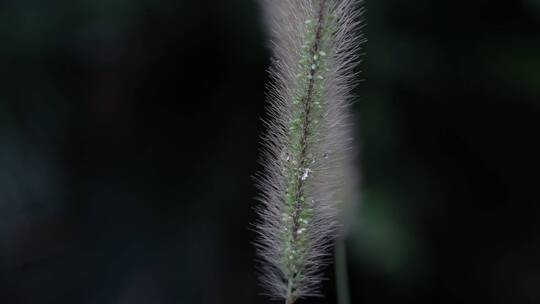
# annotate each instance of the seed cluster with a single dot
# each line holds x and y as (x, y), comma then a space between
(307, 107)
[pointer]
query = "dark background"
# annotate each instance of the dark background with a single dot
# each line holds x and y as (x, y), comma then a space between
(129, 137)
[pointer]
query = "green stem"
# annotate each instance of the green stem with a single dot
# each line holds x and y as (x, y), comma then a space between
(289, 299)
(342, 279)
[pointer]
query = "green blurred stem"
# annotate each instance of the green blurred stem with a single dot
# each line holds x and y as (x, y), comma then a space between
(342, 279)
(289, 299)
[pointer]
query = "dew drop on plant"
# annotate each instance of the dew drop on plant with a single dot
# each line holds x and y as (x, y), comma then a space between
(306, 174)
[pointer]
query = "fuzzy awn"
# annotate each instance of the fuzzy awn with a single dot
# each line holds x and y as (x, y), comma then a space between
(316, 45)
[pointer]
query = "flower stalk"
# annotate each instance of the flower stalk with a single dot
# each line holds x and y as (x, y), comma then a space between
(316, 45)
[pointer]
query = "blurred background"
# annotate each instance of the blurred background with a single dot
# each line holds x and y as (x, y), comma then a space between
(129, 134)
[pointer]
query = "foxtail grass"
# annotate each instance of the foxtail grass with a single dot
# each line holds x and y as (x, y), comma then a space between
(307, 145)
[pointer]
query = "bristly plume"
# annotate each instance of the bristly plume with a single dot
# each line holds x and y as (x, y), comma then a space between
(316, 45)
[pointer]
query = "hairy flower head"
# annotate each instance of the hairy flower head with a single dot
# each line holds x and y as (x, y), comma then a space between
(316, 45)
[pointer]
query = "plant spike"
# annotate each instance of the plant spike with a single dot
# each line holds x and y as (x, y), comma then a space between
(316, 45)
